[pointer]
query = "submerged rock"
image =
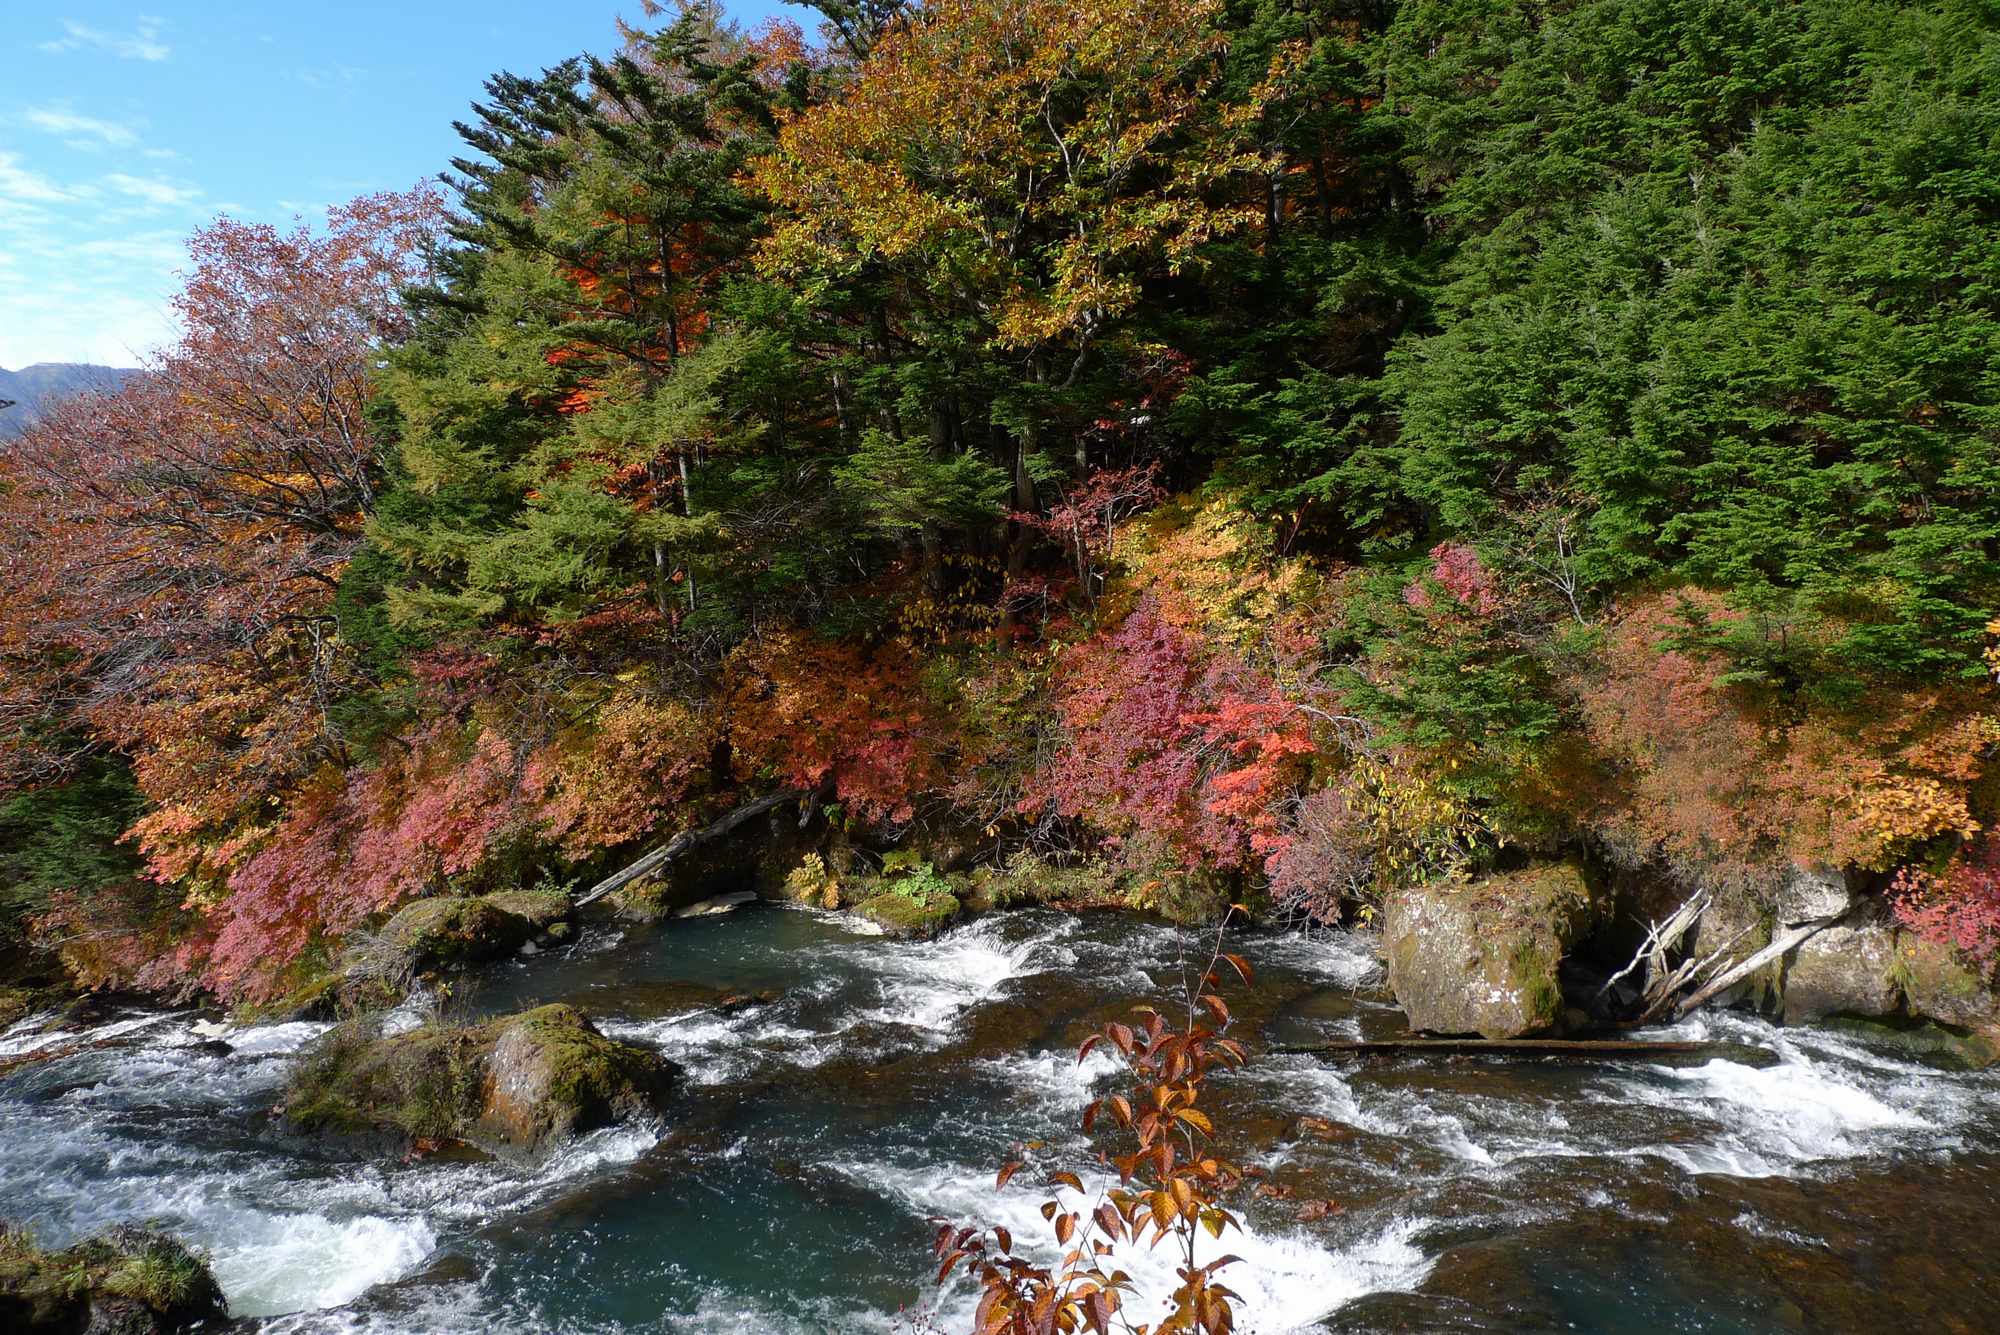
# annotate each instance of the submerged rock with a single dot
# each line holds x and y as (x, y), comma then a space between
(899, 914)
(1843, 970)
(1481, 957)
(513, 1085)
(127, 1281)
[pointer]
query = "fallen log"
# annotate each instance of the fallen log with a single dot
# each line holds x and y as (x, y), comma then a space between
(681, 843)
(1574, 1049)
(1728, 978)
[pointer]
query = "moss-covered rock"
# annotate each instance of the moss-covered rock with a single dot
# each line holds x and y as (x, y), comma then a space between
(442, 933)
(513, 1085)
(1845, 970)
(319, 999)
(127, 1281)
(543, 910)
(1941, 986)
(1482, 957)
(644, 900)
(901, 914)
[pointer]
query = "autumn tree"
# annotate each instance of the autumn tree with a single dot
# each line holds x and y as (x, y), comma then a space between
(980, 209)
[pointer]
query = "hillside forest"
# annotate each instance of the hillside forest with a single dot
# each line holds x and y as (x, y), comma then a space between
(1091, 451)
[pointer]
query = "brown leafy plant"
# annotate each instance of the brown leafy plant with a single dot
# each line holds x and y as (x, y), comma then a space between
(1171, 1188)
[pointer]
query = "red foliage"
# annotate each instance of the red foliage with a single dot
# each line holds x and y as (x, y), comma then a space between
(1324, 856)
(816, 711)
(1173, 741)
(1457, 571)
(1959, 907)
(1086, 519)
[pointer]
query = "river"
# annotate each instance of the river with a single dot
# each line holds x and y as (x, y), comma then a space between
(1841, 1187)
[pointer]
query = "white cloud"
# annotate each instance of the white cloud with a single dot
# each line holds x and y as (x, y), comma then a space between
(22, 186)
(152, 189)
(92, 131)
(142, 43)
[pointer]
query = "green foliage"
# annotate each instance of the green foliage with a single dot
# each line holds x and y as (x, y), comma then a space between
(1728, 272)
(65, 838)
(905, 489)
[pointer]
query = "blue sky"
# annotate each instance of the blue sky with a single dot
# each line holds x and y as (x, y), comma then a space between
(124, 127)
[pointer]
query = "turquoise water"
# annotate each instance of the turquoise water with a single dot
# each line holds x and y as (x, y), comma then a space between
(790, 1188)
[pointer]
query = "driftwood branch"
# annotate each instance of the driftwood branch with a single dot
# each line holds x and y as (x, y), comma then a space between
(682, 842)
(1660, 938)
(1660, 997)
(1728, 978)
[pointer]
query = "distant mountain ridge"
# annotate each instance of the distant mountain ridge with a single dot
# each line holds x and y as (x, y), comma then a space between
(34, 388)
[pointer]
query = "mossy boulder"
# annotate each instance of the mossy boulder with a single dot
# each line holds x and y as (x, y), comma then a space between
(512, 1086)
(127, 1281)
(1849, 969)
(442, 933)
(1481, 957)
(645, 900)
(1941, 986)
(322, 998)
(900, 914)
(543, 910)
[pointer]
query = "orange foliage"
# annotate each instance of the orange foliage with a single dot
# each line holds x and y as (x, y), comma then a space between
(1716, 775)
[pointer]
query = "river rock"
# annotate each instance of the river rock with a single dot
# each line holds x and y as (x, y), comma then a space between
(514, 1085)
(1939, 985)
(547, 911)
(899, 914)
(444, 932)
(1739, 929)
(1811, 893)
(127, 1281)
(1481, 957)
(1843, 970)
(440, 933)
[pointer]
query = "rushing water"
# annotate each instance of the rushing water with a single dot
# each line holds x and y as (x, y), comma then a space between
(1838, 1188)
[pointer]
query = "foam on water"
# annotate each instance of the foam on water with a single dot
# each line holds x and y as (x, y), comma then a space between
(928, 984)
(41, 1031)
(1288, 1279)
(1056, 1080)
(100, 1154)
(1345, 958)
(308, 1261)
(1827, 1098)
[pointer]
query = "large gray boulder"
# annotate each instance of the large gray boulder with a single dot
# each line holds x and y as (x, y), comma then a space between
(1811, 893)
(512, 1086)
(1481, 957)
(1849, 969)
